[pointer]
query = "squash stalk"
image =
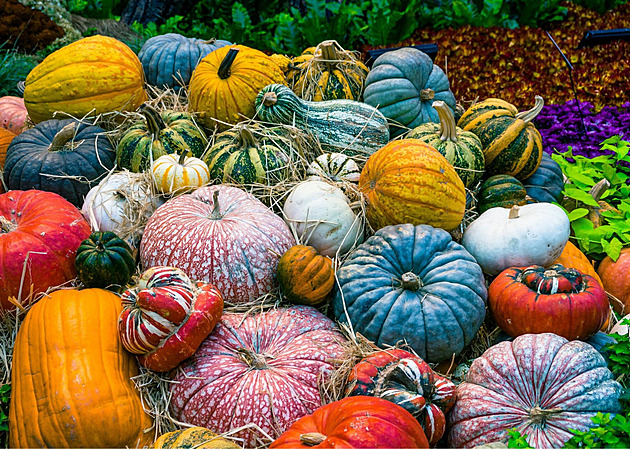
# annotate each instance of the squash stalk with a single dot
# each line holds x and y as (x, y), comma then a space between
(427, 94)
(312, 438)
(62, 137)
(270, 99)
(252, 359)
(155, 124)
(538, 416)
(216, 209)
(6, 226)
(448, 129)
(246, 137)
(514, 212)
(411, 282)
(224, 69)
(329, 54)
(182, 158)
(528, 116)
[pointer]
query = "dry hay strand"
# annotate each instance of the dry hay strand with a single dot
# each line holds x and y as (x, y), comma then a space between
(486, 337)
(105, 27)
(263, 303)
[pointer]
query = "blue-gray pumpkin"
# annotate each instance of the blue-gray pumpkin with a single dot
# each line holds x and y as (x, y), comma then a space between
(546, 183)
(412, 284)
(403, 85)
(170, 59)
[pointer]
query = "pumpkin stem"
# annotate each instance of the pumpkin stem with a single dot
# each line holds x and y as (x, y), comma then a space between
(21, 85)
(329, 54)
(252, 359)
(210, 41)
(182, 158)
(155, 124)
(216, 209)
(270, 99)
(6, 226)
(448, 129)
(411, 282)
(538, 416)
(247, 137)
(528, 116)
(62, 137)
(514, 212)
(427, 94)
(312, 438)
(226, 64)
(598, 189)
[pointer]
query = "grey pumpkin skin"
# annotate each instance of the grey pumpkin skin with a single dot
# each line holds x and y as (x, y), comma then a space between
(441, 306)
(547, 182)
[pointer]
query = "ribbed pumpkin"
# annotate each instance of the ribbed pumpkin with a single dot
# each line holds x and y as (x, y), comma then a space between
(572, 257)
(6, 137)
(249, 154)
(160, 133)
(193, 438)
(461, 148)
(336, 167)
(501, 191)
(71, 380)
(408, 181)
(91, 76)
(13, 114)
(304, 276)
(511, 143)
(61, 156)
(104, 260)
(283, 62)
(328, 73)
(615, 279)
(169, 59)
(174, 174)
(547, 182)
(224, 85)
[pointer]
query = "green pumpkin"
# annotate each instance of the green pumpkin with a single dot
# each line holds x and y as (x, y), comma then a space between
(501, 191)
(162, 133)
(249, 154)
(104, 260)
(461, 148)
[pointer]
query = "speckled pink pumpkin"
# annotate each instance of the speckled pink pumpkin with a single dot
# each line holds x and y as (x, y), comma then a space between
(262, 369)
(13, 114)
(235, 246)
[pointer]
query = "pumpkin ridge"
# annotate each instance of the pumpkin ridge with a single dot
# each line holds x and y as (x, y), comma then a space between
(510, 134)
(417, 201)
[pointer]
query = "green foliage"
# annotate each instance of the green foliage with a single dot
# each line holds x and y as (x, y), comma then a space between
(601, 6)
(14, 67)
(517, 440)
(95, 9)
(151, 29)
(619, 362)
(608, 432)
(583, 173)
(5, 397)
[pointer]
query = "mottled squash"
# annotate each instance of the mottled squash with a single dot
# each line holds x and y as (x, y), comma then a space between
(193, 438)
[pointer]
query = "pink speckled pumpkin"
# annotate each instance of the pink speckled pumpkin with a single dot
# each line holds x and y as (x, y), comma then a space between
(262, 369)
(13, 114)
(221, 235)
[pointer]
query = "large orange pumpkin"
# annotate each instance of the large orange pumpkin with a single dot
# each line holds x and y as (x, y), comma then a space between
(572, 257)
(408, 181)
(6, 137)
(71, 380)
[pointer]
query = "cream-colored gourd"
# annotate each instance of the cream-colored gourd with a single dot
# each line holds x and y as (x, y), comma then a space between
(175, 174)
(335, 167)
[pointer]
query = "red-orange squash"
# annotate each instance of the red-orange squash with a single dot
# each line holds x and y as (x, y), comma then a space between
(572, 257)
(6, 137)
(71, 380)
(615, 278)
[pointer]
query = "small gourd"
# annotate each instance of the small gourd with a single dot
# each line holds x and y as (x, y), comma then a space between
(501, 191)
(305, 277)
(175, 174)
(334, 167)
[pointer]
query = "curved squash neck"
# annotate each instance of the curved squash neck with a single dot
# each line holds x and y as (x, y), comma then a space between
(155, 124)
(226, 65)
(62, 137)
(448, 129)
(528, 116)
(246, 137)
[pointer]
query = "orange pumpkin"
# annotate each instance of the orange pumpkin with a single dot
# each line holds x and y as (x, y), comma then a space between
(6, 137)
(615, 277)
(305, 277)
(572, 257)
(71, 381)
(408, 181)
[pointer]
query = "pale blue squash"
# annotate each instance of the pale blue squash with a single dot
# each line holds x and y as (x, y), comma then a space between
(546, 183)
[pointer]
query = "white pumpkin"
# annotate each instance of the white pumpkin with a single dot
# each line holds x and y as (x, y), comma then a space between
(335, 167)
(534, 234)
(175, 174)
(321, 216)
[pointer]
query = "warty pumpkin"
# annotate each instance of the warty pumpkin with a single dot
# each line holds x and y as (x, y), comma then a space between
(71, 379)
(94, 75)
(13, 114)
(193, 438)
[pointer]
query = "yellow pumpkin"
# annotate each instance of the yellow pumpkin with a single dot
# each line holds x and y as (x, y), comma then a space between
(94, 75)
(283, 62)
(71, 381)
(225, 84)
(193, 437)
(408, 181)
(173, 173)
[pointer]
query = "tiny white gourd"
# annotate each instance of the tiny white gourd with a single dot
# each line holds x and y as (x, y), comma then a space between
(176, 174)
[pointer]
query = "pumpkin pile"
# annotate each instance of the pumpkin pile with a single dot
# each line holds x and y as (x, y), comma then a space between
(244, 238)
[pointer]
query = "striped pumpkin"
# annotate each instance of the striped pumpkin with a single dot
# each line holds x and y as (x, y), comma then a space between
(160, 133)
(407, 181)
(249, 154)
(335, 167)
(91, 76)
(193, 438)
(501, 191)
(174, 174)
(461, 148)
(511, 143)
(166, 317)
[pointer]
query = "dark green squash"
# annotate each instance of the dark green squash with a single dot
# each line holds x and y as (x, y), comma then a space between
(160, 133)
(547, 182)
(104, 260)
(501, 191)
(414, 284)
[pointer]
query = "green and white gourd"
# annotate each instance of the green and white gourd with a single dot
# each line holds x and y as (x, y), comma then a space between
(335, 167)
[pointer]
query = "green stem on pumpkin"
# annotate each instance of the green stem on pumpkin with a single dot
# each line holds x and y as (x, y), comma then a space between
(62, 137)
(155, 124)
(312, 438)
(6, 226)
(528, 116)
(182, 158)
(448, 129)
(226, 64)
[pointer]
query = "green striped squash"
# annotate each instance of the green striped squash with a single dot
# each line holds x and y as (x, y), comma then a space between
(461, 148)
(249, 154)
(161, 133)
(501, 191)
(511, 143)
(104, 260)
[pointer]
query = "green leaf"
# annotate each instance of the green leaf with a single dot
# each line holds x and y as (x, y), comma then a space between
(612, 248)
(578, 213)
(581, 195)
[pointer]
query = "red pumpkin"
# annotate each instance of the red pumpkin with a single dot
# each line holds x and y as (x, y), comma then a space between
(355, 422)
(40, 233)
(263, 369)
(166, 317)
(534, 300)
(616, 280)
(405, 379)
(13, 114)
(221, 235)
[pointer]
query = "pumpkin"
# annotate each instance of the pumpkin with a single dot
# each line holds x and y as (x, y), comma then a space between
(71, 379)
(193, 438)
(334, 167)
(221, 235)
(412, 283)
(104, 260)
(328, 73)
(501, 191)
(169, 59)
(595, 209)
(262, 369)
(541, 384)
(174, 174)
(13, 114)
(6, 137)
(406, 380)
(357, 422)
(403, 84)
(321, 216)
(60, 81)
(225, 84)
(535, 300)
(283, 62)
(545, 185)
(461, 148)
(342, 126)
(39, 236)
(167, 316)
(161, 133)
(534, 234)
(615, 279)
(249, 154)
(305, 277)
(408, 181)
(511, 143)
(572, 257)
